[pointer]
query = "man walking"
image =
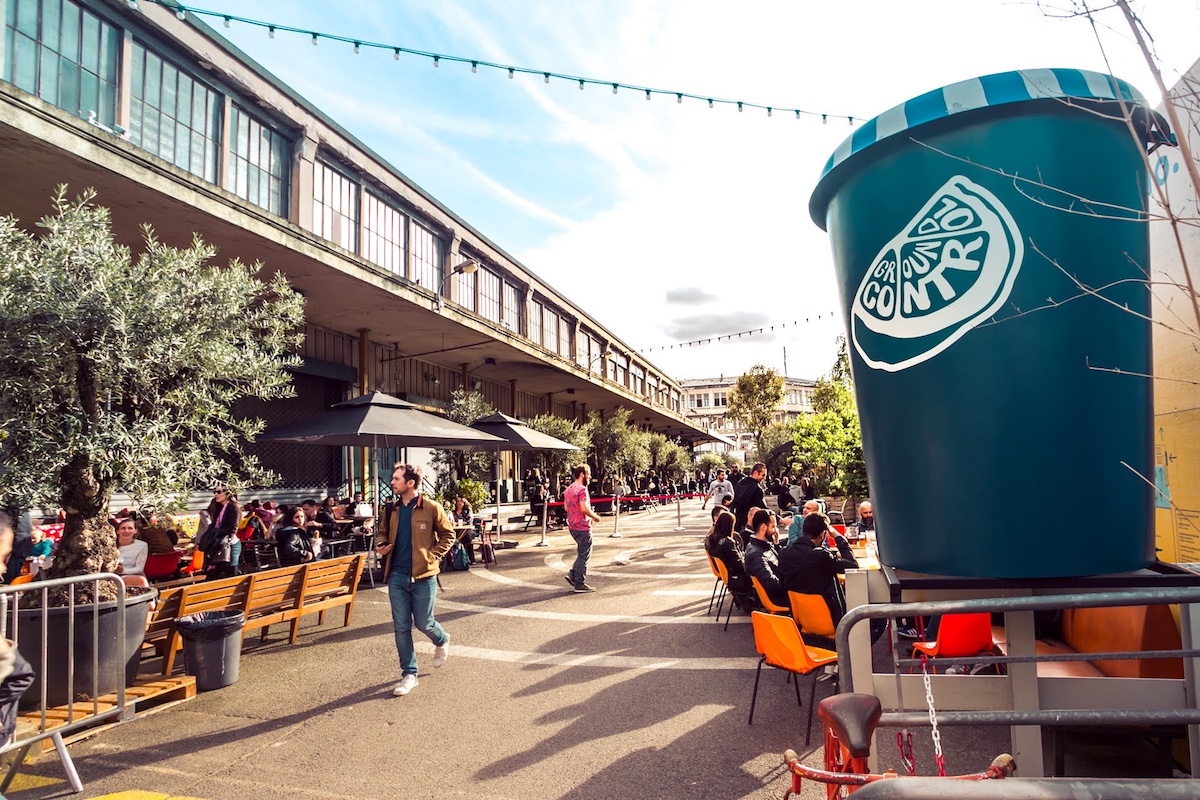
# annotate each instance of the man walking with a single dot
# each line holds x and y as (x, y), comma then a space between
(412, 540)
(579, 521)
(717, 489)
(748, 494)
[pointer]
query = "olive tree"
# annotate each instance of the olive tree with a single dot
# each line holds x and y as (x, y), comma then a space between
(555, 463)
(754, 401)
(120, 371)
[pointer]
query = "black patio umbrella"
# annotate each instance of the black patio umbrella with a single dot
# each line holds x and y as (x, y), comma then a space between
(516, 435)
(378, 420)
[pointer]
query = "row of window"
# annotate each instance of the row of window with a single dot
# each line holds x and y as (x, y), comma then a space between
(70, 56)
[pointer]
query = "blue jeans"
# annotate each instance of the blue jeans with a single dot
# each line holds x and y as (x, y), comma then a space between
(583, 549)
(412, 606)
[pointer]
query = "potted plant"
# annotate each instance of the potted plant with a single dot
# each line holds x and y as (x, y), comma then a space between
(119, 371)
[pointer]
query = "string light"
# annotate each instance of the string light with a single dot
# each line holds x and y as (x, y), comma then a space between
(436, 63)
(732, 336)
(581, 84)
(182, 10)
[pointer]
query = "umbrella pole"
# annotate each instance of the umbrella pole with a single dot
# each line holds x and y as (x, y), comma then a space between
(616, 534)
(497, 494)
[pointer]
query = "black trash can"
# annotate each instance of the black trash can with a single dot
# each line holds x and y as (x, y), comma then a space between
(212, 646)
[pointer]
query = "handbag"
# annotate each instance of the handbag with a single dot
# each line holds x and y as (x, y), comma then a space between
(364, 511)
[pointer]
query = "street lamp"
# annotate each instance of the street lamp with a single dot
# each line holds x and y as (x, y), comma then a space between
(464, 268)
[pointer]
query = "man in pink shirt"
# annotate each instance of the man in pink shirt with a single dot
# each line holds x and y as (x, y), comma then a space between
(579, 521)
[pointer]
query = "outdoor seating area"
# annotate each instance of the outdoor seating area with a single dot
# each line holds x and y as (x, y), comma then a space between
(266, 598)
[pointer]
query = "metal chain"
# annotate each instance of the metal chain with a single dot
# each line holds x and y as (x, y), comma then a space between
(938, 758)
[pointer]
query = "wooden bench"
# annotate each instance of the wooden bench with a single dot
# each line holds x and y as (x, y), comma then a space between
(269, 597)
(1114, 629)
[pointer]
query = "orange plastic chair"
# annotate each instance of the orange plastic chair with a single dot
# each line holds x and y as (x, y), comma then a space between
(811, 613)
(719, 585)
(23, 578)
(778, 642)
(765, 599)
(723, 574)
(959, 635)
(197, 564)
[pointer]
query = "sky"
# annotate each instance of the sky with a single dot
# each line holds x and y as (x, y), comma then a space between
(669, 222)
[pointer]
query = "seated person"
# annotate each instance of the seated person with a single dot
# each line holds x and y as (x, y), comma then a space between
(866, 516)
(807, 567)
(723, 545)
(462, 511)
(762, 555)
(783, 496)
(795, 528)
(320, 521)
(158, 539)
(133, 551)
(292, 539)
(537, 500)
(42, 547)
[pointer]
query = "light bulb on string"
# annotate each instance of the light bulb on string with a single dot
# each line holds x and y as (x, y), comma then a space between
(357, 47)
(474, 66)
(851, 121)
(270, 31)
(546, 75)
(314, 40)
(710, 105)
(396, 53)
(824, 118)
(179, 13)
(614, 88)
(581, 84)
(797, 113)
(768, 111)
(227, 22)
(647, 94)
(678, 97)
(510, 73)
(436, 62)
(739, 106)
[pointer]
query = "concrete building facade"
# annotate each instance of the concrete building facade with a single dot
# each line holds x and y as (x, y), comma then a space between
(706, 400)
(175, 127)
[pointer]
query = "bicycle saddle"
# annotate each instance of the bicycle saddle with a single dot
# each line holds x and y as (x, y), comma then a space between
(853, 718)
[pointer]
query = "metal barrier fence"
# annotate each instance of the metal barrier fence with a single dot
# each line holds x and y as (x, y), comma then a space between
(1131, 597)
(17, 617)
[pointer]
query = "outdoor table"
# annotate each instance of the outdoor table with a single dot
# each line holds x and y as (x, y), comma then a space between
(344, 525)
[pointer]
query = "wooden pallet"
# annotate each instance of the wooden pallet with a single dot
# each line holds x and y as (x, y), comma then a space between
(146, 693)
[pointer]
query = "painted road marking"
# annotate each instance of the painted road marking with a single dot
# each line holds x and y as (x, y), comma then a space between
(588, 619)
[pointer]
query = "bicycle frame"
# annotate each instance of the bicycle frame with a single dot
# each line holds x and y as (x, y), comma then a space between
(843, 772)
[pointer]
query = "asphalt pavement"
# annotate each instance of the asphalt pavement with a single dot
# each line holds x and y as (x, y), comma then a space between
(633, 691)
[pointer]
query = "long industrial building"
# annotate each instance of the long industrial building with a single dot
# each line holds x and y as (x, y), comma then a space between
(175, 127)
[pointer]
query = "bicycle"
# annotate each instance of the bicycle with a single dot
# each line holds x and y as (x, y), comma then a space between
(849, 721)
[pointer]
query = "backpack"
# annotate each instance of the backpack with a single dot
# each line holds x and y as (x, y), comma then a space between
(457, 559)
(252, 527)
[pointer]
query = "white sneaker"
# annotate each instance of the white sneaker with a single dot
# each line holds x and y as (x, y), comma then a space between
(441, 653)
(406, 685)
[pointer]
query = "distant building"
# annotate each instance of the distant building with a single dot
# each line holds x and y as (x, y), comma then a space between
(706, 400)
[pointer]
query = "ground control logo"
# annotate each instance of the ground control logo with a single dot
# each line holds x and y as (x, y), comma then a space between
(950, 269)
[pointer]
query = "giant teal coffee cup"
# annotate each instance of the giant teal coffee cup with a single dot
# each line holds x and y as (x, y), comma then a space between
(991, 249)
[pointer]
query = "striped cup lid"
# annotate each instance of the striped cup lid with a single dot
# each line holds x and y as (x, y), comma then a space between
(990, 90)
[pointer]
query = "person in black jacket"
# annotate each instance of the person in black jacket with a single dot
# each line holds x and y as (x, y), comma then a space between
(320, 522)
(748, 494)
(808, 567)
(762, 555)
(723, 545)
(292, 540)
(16, 675)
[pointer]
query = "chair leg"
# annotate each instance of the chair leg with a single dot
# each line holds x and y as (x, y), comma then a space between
(812, 695)
(796, 683)
(729, 613)
(754, 697)
(720, 601)
(713, 599)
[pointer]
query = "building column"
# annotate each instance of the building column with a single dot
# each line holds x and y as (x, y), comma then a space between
(301, 191)
(364, 386)
(583, 412)
(512, 397)
(465, 377)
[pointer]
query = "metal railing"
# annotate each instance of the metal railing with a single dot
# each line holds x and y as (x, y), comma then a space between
(1133, 597)
(19, 618)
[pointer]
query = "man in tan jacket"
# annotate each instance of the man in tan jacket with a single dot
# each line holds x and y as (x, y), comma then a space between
(414, 536)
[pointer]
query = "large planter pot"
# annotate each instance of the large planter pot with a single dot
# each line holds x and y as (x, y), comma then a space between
(117, 662)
